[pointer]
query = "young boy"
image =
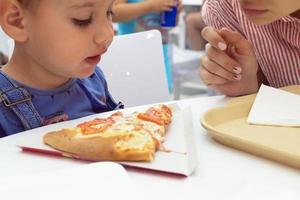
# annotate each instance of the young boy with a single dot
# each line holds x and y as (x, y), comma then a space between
(52, 74)
(265, 36)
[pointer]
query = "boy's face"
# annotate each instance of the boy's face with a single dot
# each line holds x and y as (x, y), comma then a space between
(68, 37)
(267, 11)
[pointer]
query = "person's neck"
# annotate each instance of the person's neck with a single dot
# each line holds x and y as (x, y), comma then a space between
(296, 14)
(22, 68)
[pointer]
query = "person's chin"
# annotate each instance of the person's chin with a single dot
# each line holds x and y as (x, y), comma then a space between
(87, 71)
(261, 20)
(259, 17)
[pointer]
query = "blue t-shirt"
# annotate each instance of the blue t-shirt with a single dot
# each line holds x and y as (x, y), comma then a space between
(77, 98)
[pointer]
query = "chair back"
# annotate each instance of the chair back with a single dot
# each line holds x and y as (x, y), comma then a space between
(6, 44)
(134, 69)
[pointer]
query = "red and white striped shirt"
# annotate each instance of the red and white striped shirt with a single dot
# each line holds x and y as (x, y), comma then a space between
(276, 45)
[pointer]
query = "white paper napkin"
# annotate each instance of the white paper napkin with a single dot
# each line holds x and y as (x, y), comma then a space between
(102, 180)
(275, 107)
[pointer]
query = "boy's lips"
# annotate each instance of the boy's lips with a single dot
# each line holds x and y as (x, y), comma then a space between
(93, 60)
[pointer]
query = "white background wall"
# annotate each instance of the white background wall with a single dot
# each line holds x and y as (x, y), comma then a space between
(6, 43)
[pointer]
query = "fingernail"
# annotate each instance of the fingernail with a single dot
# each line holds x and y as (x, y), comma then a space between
(237, 77)
(222, 46)
(237, 70)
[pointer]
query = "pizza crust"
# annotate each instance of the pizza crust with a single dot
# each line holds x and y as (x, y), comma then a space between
(118, 147)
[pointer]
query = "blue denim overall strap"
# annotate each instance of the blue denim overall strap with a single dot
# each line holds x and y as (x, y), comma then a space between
(18, 99)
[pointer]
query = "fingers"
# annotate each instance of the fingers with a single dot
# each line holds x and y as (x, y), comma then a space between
(219, 57)
(228, 57)
(210, 78)
(241, 44)
(176, 2)
(213, 38)
(224, 37)
(167, 6)
(219, 68)
(171, 2)
(212, 73)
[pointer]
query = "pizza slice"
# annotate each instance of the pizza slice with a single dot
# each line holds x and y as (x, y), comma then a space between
(133, 137)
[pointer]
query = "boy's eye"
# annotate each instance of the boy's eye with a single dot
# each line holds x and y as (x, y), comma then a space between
(82, 22)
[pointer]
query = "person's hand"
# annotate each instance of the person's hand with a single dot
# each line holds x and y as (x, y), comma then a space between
(162, 5)
(229, 65)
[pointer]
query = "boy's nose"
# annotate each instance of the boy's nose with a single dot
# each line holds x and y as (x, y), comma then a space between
(103, 41)
(104, 37)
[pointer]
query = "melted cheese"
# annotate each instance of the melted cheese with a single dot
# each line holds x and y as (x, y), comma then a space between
(130, 124)
(155, 130)
(138, 141)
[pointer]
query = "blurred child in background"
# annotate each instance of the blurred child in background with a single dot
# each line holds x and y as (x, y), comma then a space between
(140, 15)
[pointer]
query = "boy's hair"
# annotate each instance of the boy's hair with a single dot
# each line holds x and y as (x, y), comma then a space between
(25, 3)
(29, 3)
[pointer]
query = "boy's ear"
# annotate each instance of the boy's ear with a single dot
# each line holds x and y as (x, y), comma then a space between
(12, 20)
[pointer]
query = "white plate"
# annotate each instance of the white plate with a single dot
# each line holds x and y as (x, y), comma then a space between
(179, 139)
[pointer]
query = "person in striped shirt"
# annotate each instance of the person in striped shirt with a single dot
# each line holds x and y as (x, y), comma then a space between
(250, 42)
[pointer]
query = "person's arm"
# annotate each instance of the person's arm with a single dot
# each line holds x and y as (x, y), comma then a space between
(194, 26)
(124, 11)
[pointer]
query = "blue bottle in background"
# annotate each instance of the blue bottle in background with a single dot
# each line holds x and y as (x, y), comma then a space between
(168, 18)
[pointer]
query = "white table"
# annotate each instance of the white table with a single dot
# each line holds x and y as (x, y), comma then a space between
(222, 172)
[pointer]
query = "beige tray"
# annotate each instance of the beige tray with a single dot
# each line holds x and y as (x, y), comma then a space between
(228, 125)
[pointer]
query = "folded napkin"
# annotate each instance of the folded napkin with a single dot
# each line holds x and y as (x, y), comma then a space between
(275, 107)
